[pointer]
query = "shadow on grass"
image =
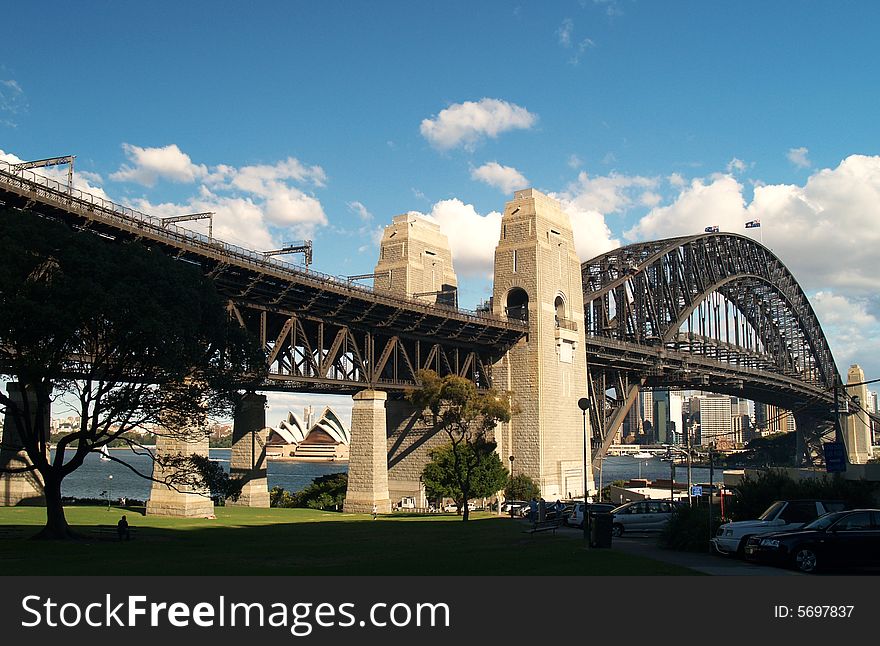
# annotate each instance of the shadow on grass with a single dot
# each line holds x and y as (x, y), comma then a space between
(354, 545)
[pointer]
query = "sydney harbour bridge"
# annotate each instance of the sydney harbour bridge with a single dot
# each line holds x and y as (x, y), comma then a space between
(715, 312)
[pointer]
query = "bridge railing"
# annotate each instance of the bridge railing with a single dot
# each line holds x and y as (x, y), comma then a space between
(65, 195)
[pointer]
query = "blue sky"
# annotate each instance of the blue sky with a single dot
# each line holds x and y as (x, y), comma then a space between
(325, 119)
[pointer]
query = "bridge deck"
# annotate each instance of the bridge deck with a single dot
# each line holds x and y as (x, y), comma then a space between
(249, 275)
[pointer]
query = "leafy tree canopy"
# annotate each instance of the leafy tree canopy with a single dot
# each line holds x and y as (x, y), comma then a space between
(442, 474)
(453, 405)
(132, 336)
(521, 487)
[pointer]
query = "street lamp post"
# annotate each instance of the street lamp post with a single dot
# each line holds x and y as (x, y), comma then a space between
(584, 405)
(109, 490)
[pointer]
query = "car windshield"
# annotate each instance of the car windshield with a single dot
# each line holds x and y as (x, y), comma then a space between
(771, 511)
(824, 522)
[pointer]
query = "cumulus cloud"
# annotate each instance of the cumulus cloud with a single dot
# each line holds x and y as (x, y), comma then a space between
(505, 178)
(798, 157)
(472, 236)
(147, 165)
(606, 194)
(82, 180)
(466, 124)
(852, 331)
(825, 231)
(255, 205)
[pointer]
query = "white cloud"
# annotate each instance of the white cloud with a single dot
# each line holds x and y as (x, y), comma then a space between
(798, 157)
(505, 178)
(151, 164)
(466, 124)
(736, 165)
(825, 231)
(853, 333)
(263, 179)
(12, 101)
(257, 205)
(564, 32)
(472, 237)
(606, 194)
(360, 210)
(82, 180)
(574, 161)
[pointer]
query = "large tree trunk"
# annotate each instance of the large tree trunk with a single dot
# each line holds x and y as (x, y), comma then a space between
(464, 506)
(56, 524)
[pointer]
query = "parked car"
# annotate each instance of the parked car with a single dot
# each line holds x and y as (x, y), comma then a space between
(641, 516)
(576, 517)
(514, 505)
(843, 538)
(782, 515)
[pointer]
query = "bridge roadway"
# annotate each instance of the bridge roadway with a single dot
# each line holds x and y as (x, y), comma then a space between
(656, 315)
(320, 332)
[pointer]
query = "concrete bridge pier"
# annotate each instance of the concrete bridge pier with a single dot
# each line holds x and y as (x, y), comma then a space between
(19, 488)
(248, 458)
(181, 499)
(368, 457)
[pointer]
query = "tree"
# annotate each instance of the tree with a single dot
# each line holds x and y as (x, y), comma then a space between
(131, 336)
(325, 492)
(521, 487)
(442, 475)
(453, 405)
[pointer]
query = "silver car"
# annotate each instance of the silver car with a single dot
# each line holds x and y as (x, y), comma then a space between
(641, 516)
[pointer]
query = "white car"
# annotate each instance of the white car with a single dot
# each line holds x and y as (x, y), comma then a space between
(781, 516)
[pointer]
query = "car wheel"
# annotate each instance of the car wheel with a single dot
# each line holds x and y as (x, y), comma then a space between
(741, 548)
(617, 531)
(805, 559)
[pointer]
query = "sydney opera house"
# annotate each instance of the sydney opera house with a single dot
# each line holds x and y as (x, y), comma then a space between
(326, 440)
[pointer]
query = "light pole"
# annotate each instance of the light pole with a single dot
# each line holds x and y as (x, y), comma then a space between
(584, 405)
(109, 490)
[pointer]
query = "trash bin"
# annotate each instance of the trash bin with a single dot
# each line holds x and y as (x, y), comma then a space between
(600, 529)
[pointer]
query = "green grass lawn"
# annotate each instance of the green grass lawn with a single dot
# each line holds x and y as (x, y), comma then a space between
(243, 541)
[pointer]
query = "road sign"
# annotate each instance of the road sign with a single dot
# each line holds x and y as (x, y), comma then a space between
(835, 457)
(696, 490)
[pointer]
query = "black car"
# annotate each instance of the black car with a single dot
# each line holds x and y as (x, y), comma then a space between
(842, 538)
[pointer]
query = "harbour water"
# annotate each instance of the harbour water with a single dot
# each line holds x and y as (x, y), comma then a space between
(92, 479)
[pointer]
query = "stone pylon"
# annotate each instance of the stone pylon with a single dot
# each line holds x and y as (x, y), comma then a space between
(368, 457)
(23, 488)
(415, 260)
(182, 499)
(538, 279)
(248, 458)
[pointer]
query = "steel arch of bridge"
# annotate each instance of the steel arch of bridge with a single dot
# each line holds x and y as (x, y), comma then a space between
(717, 312)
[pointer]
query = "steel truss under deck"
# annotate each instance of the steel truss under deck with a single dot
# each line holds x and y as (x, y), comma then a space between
(320, 332)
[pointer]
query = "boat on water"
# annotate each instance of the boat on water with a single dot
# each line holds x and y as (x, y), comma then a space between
(643, 455)
(105, 454)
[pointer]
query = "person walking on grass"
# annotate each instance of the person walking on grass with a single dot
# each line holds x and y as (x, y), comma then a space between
(375, 511)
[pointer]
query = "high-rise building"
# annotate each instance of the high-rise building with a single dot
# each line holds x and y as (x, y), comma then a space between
(662, 421)
(647, 398)
(857, 430)
(715, 423)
